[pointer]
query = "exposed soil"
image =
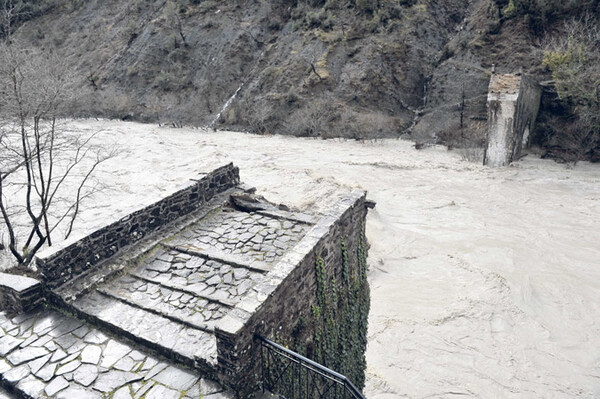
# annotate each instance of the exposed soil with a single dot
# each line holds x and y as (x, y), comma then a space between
(326, 71)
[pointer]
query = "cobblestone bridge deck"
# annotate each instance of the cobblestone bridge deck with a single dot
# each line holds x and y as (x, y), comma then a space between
(47, 354)
(172, 299)
(165, 303)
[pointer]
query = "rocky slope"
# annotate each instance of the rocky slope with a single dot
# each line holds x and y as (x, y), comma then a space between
(354, 68)
(331, 69)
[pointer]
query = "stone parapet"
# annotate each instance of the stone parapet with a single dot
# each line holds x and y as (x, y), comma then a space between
(73, 259)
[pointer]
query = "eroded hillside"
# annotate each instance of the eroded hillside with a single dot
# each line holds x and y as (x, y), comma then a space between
(354, 68)
(329, 69)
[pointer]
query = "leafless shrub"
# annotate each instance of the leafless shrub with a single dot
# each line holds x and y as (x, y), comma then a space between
(259, 119)
(471, 154)
(38, 157)
(367, 124)
(312, 119)
(472, 135)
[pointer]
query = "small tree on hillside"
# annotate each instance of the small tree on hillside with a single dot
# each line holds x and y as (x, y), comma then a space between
(171, 19)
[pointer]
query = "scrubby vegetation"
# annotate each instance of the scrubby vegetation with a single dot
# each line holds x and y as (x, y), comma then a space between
(540, 15)
(572, 55)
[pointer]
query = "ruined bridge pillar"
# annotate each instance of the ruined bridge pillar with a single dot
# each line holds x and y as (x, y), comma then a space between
(513, 103)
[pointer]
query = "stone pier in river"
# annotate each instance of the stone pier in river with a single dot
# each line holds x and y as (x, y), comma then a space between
(513, 104)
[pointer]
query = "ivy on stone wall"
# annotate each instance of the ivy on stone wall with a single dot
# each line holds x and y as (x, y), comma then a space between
(340, 316)
(333, 331)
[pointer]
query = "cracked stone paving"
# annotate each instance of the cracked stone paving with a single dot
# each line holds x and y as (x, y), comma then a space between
(47, 354)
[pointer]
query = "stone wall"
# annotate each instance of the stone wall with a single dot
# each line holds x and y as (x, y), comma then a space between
(19, 294)
(273, 308)
(528, 106)
(513, 104)
(61, 266)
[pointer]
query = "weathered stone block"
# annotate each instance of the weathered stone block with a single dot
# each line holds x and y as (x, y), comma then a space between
(513, 104)
(19, 294)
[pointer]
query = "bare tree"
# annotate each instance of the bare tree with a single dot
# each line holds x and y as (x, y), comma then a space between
(38, 157)
(10, 10)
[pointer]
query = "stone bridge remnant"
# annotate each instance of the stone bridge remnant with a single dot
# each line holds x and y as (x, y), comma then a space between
(513, 104)
(192, 278)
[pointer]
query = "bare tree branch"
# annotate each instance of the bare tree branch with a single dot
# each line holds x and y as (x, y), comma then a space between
(39, 161)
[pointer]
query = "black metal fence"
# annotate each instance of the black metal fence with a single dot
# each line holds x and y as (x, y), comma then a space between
(293, 376)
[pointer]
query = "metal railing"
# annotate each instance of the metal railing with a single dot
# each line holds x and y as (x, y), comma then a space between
(292, 376)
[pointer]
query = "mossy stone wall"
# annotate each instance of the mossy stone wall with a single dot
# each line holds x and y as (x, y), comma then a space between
(315, 301)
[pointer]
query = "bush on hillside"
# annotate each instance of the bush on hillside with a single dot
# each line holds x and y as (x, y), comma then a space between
(540, 14)
(573, 58)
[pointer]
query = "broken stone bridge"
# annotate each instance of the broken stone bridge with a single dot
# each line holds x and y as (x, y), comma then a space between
(165, 303)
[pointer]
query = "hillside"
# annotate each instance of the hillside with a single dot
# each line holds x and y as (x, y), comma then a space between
(356, 68)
